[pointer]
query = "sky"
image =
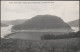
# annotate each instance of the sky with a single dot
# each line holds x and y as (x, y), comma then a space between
(66, 10)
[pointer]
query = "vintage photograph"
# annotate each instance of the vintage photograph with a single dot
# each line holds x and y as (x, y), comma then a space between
(40, 26)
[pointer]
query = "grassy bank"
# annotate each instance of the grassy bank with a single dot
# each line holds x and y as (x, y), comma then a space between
(59, 45)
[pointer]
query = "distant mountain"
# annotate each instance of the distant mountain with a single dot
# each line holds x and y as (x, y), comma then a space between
(74, 23)
(14, 22)
(43, 22)
(3, 25)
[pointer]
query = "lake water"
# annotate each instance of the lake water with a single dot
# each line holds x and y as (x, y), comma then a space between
(7, 30)
(75, 29)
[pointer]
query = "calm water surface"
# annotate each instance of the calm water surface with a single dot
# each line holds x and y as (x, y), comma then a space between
(7, 30)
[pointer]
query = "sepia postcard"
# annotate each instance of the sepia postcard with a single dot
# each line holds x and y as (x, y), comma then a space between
(40, 26)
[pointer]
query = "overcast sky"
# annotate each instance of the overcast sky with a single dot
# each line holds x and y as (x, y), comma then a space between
(67, 10)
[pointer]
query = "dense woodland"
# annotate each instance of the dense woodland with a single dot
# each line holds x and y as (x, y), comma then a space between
(62, 36)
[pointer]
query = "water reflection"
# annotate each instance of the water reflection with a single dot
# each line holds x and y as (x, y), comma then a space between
(7, 30)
